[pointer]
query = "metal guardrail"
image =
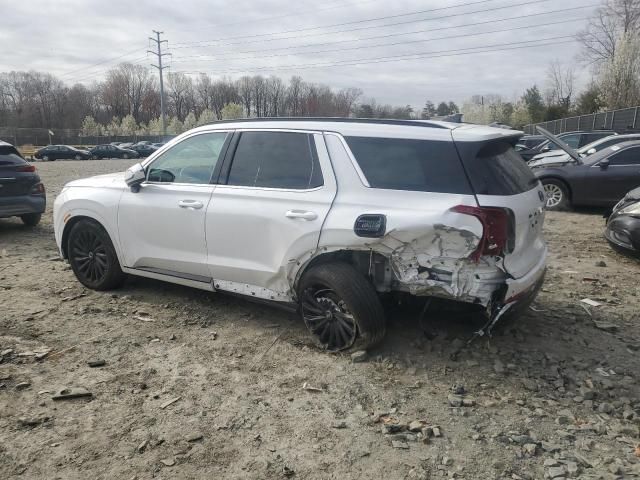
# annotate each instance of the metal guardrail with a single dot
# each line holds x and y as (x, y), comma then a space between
(624, 120)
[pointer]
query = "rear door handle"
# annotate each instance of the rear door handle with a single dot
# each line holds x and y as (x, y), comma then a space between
(190, 204)
(303, 214)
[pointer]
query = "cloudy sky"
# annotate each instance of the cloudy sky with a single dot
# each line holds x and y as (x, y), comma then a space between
(400, 52)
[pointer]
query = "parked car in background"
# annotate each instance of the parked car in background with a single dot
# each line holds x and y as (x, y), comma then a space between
(126, 144)
(531, 141)
(623, 225)
(574, 139)
(144, 150)
(112, 151)
(61, 152)
(22, 194)
(560, 156)
(158, 144)
(599, 180)
(322, 215)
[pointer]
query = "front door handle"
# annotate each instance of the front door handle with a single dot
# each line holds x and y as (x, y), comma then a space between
(303, 214)
(190, 204)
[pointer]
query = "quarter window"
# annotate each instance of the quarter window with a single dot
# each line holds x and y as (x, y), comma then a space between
(190, 161)
(406, 164)
(276, 160)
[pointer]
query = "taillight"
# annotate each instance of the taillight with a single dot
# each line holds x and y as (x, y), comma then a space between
(37, 189)
(496, 227)
(26, 168)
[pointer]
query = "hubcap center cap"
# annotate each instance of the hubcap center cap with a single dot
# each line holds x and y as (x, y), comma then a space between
(91, 255)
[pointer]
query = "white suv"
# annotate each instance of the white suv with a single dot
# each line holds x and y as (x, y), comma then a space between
(323, 214)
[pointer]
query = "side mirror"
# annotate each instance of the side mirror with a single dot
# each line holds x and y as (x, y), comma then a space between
(134, 176)
(604, 164)
(591, 151)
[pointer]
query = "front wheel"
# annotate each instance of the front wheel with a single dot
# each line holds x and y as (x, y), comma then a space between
(340, 308)
(31, 219)
(45, 158)
(92, 256)
(557, 194)
(78, 157)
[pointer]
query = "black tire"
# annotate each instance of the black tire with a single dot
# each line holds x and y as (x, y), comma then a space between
(78, 157)
(557, 194)
(340, 308)
(92, 256)
(31, 219)
(125, 156)
(45, 158)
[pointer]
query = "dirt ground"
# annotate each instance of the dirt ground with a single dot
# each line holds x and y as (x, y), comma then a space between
(557, 395)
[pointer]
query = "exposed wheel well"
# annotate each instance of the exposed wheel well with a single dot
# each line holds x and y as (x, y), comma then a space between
(374, 266)
(561, 180)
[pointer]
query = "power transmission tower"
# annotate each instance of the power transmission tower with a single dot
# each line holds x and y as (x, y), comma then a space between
(160, 68)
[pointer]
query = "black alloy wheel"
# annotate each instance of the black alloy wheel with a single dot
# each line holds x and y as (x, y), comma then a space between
(328, 319)
(92, 256)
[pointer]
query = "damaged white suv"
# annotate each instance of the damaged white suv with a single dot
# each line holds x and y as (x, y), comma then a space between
(323, 214)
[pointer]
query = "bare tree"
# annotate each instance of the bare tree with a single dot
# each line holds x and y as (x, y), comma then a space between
(561, 84)
(181, 94)
(613, 20)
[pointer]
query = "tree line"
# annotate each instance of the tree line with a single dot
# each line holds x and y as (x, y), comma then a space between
(610, 49)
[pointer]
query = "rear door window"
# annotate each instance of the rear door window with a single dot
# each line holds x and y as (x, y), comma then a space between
(10, 156)
(276, 160)
(405, 164)
(497, 169)
(629, 156)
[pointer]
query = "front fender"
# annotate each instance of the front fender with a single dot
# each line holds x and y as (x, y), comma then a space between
(74, 204)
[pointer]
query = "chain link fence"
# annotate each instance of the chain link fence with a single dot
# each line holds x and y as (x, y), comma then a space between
(625, 120)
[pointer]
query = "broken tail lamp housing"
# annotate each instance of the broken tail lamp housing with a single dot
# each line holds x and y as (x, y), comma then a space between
(498, 229)
(372, 225)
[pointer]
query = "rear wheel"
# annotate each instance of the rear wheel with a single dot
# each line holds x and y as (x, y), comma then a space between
(31, 219)
(92, 256)
(78, 157)
(556, 194)
(340, 308)
(125, 156)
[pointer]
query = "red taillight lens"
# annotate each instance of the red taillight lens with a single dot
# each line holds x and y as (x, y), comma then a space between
(495, 229)
(26, 168)
(37, 189)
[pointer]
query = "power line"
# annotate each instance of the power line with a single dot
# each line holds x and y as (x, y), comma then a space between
(392, 58)
(388, 35)
(406, 42)
(159, 54)
(194, 44)
(64, 74)
(306, 11)
(103, 70)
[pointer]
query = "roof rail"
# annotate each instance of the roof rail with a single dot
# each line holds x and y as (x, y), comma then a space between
(381, 121)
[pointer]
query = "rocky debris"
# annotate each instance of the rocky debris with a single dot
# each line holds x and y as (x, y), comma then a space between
(169, 402)
(22, 385)
(194, 437)
(557, 472)
(168, 462)
(71, 393)
(600, 263)
(96, 363)
(416, 426)
(399, 444)
(32, 421)
(605, 407)
(359, 356)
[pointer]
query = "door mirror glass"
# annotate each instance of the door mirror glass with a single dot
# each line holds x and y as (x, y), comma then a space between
(604, 164)
(134, 176)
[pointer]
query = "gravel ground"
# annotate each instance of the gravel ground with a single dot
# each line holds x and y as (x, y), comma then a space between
(556, 395)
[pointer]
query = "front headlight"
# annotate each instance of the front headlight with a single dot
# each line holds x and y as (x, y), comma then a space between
(633, 209)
